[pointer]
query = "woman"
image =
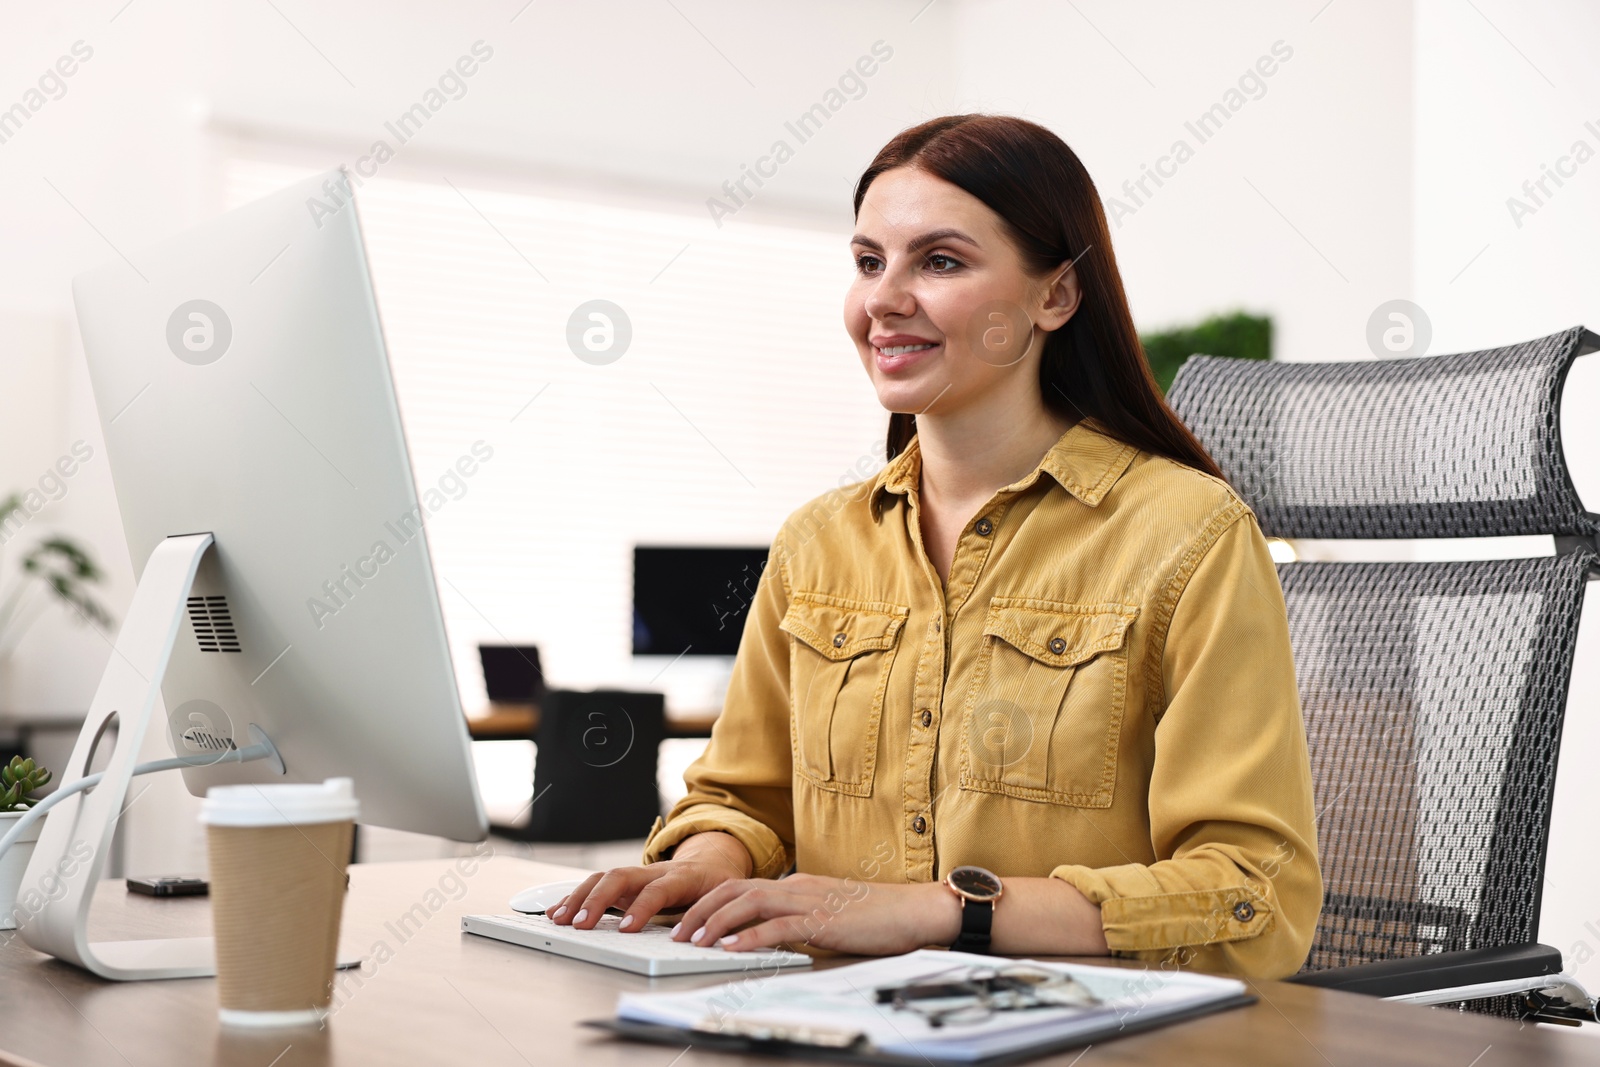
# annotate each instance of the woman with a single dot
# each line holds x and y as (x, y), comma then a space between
(1045, 648)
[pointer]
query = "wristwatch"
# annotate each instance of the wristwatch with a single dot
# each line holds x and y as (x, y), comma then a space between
(977, 889)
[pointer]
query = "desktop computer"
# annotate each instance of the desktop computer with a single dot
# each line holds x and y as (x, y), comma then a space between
(286, 601)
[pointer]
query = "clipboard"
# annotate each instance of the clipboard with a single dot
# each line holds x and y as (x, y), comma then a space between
(861, 1052)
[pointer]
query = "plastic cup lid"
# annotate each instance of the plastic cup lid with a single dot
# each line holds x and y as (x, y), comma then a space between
(279, 804)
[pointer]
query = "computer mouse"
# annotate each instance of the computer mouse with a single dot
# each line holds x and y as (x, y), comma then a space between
(535, 899)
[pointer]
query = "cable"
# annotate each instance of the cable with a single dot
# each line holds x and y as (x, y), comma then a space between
(263, 749)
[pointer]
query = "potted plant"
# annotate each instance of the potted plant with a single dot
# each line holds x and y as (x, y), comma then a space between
(17, 780)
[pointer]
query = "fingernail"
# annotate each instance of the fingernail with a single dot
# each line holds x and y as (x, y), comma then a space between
(559, 912)
(730, 939)
(582, 915)
(695, 937)
(676, 928)
(627, 921)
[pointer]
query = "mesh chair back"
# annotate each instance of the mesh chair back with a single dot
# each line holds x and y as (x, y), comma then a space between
(1433, 693)
(1466, 445)
(1433, 696)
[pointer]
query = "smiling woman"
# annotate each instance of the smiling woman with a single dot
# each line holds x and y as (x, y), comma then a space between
(1030, 687)
(1090, 362)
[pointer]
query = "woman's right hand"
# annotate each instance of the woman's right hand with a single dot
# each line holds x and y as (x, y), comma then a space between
(698, 865)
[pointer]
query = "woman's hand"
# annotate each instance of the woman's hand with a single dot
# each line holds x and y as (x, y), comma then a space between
(842, 914)
(699, 865)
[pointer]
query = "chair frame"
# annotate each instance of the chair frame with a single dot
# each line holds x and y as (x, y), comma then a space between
(1531, 971)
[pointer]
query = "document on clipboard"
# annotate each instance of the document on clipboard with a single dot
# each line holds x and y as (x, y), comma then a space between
(927, 1006)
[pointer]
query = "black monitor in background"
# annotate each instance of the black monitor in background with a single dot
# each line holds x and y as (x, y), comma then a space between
(511, 673)
(692, 598)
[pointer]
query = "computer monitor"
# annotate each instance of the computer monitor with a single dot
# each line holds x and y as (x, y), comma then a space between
(511, 674)
(692, 599)
(245, 393)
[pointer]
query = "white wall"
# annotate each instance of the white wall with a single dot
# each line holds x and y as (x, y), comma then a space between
(1326, 143)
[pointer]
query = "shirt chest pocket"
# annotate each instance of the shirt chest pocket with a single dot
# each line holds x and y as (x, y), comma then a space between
(1044, 715)
(838, 670)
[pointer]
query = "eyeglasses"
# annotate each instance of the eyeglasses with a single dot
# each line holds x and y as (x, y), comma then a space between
(965, 995)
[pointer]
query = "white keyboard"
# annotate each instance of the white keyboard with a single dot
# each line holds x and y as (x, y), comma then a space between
(650, 951)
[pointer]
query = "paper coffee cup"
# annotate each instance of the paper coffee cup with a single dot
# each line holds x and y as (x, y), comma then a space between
(278, 855)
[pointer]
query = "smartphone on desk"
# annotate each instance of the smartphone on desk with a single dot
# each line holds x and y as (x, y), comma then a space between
(169, 886)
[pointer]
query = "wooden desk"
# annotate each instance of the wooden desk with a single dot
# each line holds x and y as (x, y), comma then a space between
(505, 722)
(448, 997)
(520, 722)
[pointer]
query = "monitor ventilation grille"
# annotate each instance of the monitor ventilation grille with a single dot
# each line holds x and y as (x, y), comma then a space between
(213, 626)
(199, 739)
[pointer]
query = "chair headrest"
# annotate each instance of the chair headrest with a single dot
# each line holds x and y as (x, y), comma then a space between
(1465, 445)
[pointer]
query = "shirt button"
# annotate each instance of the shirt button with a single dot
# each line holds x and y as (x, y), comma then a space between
(1244, 911)
(1057, 645)
(919, 824)
(938, 624)
(838, 640)
(984, 527)
(927, 717)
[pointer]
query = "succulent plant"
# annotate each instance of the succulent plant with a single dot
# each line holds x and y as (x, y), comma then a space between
(17, 779)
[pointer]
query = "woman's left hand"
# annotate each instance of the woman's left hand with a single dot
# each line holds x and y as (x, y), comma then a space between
(842, 914)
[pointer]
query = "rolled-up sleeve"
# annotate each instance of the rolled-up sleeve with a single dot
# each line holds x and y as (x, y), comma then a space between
(1236, 887)
(743, 783)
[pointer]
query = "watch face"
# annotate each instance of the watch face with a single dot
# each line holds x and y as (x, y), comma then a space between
(974, 883)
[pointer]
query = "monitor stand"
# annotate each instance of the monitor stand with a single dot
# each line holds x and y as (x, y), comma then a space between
(57, 890)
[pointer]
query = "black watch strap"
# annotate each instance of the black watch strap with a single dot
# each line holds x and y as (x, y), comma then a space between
(976, 918)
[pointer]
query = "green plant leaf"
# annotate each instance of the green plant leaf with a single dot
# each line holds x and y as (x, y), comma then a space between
(21, 777)
(1239, 334)
(67, 570)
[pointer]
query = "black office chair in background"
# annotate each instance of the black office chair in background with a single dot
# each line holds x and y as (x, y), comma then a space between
(1433, 692)
(594, 777)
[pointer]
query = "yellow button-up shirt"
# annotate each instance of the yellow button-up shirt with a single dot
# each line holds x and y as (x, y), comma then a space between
(1102, 692)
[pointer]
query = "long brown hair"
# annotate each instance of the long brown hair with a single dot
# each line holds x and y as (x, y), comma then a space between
(1093, 367)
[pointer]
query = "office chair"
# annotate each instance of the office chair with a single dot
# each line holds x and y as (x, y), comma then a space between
(1433, 692)
(594, 777)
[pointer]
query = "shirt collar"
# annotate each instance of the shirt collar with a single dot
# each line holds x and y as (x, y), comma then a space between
(1085, 461)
